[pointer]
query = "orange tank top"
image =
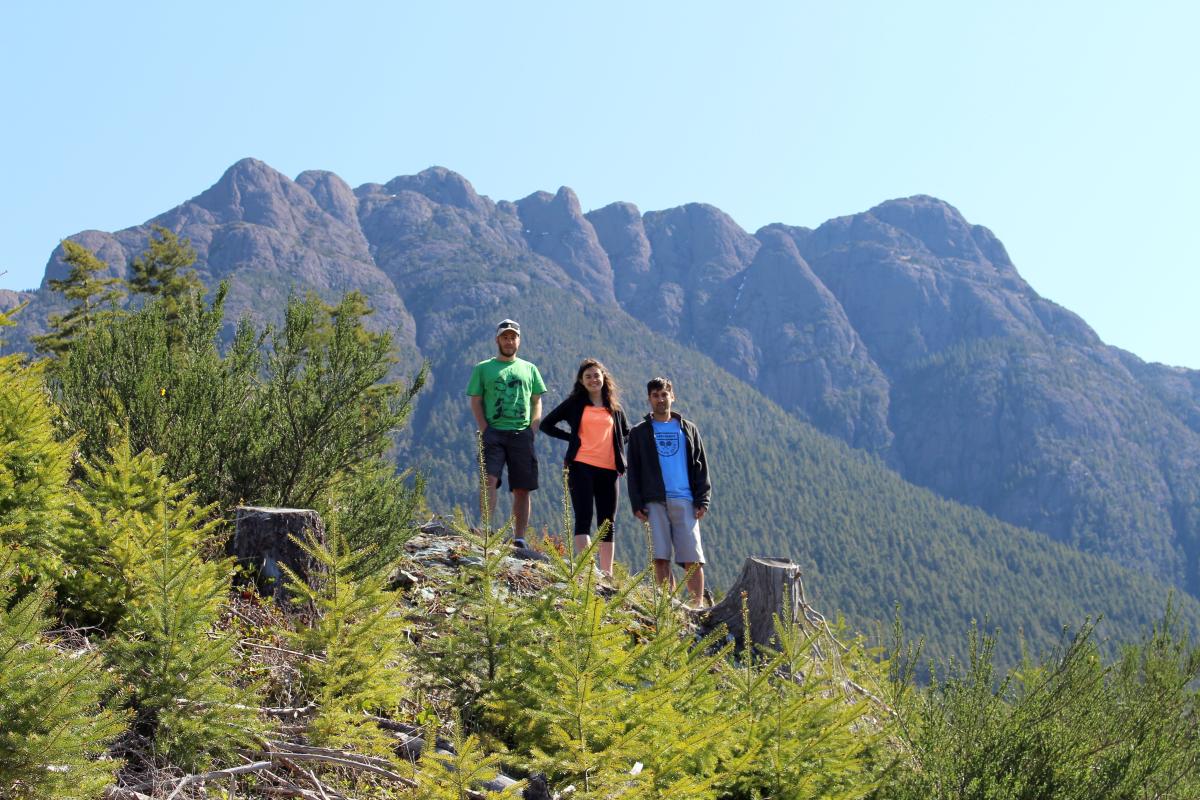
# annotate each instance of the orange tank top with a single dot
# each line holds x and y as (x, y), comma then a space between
(596, 438)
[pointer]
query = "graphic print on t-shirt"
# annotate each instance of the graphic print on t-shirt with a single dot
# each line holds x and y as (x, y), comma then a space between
(667, 442)
(510, 399)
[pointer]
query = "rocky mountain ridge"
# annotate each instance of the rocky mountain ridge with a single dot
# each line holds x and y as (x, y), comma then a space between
(904, 331)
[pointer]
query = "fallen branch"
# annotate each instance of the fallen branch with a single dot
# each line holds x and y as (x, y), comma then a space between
(291, 748)
(285, 651)
(411, 731)
(270, 711)
(117, 793)
(308, 774)
(352, 764)
(218, 774)
(283, 711)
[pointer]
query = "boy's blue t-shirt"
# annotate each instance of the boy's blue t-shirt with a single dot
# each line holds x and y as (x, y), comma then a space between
(672, 458)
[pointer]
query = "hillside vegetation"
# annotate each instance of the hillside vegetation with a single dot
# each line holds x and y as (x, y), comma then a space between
(134, 665)
(868, 541)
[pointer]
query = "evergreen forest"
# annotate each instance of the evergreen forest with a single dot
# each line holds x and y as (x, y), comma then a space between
(137, 659)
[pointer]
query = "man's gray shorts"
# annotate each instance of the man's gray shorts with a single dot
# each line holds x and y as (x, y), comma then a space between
(673, 526)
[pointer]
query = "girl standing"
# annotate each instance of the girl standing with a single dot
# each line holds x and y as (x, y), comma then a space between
(595, 456)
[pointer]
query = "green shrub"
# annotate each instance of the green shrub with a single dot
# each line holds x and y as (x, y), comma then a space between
(1066, 726)
(355, 645)
(53, 729)
(304, 422)
(164, 601)
(35, 465)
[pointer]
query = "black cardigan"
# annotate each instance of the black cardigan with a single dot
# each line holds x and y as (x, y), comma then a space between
(571, 411)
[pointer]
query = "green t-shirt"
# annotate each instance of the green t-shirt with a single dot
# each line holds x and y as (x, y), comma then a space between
(506, 387)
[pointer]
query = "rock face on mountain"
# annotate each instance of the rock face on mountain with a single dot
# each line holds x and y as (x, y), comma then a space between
(904, 331)
(1004, 400)
(751, 303)
(267, 236)
(556, 228)
(801, 350)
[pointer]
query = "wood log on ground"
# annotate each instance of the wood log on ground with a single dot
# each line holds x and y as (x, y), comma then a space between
(262, 541)
(771, 586)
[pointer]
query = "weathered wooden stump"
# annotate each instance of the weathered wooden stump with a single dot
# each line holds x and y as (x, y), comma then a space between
(772, 586)
(262, 542)
(536, 788)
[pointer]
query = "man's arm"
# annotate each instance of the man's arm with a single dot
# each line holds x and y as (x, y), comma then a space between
(633, 471)
(477, 410)
(702, 491)
(535, 412)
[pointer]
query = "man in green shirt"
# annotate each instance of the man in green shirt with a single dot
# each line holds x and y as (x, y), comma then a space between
(506, 399)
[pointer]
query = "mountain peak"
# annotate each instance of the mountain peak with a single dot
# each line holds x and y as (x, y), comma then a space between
(440, 185)
(255, 192)
(937, 224)
(555, 227)
(566, 197)
(332, 193)
(250, 173)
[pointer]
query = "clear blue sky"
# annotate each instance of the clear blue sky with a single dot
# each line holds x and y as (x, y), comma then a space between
(1070, 129)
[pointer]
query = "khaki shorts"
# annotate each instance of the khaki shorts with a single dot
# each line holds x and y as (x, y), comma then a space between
(674, 527)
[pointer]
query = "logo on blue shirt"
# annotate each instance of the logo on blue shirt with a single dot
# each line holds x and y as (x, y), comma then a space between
(667, 442)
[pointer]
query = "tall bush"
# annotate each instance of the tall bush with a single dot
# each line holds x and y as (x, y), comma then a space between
(53, 727)
(35, 465)
(355, 642)
(304, 421)
(1066, 725)
(163, 595)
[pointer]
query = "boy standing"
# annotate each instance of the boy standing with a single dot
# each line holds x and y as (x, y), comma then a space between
(667, 473)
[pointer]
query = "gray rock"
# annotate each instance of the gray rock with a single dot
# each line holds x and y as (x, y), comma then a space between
(555, 227)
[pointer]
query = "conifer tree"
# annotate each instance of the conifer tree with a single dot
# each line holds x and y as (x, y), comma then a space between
(356, 642)
(163, 270)
(167, 644)
(35, 466)
(53, 728)
(456, 776)
(100, 551)
(487, 629)
(6, 318)
(94, 299)
(616, 713)
(800, 735)
(686, 730)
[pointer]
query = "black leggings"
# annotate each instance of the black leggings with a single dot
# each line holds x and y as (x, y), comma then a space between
(593, 485)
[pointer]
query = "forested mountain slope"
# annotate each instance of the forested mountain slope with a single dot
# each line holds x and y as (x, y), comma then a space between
(903, 331)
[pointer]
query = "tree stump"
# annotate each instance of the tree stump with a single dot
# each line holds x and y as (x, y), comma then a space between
(772, 586)
(536, 788)
(262, 542)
